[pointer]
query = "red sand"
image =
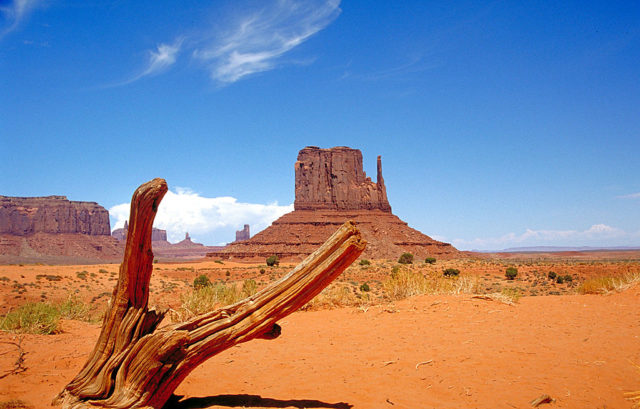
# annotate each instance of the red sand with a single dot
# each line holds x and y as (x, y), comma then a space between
(425, 352)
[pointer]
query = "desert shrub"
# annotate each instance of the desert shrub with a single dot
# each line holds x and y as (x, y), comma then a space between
(364, 262)
(568, 278)
(560, 279)
(602, 285)
(365, 287)
(201, 281)
(451, 272)
(552, 275)
(406, 258)
(44, 318)
(227, 273)
(103, 271)
(262, 271)
(395, 270)
(208, 298)
(82, 274)
(218, 261)
(249, 287)
(155, 261)
(430, 260)
(334, 296)
(507, 295)
(32, 318)
(272, 261)
(15, 404)
(511, 273)
(74, 309)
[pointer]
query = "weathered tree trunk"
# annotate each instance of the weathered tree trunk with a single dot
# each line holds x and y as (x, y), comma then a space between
(133, 365)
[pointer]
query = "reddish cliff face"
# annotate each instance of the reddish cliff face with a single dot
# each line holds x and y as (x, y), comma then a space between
(23, 216)
(244, 234)
(158, 236)
(333, 179)
(332, 188)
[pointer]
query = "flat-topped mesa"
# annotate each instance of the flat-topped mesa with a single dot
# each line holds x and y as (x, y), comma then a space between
(333, 179)
(23, 216)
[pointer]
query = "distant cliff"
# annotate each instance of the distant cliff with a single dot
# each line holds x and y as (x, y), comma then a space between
(333, 179)
(23, 216)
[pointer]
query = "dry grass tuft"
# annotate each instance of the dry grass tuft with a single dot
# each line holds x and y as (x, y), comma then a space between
(337, 295)
(603, 285)
(44, 318)
(15, 404)
(404, 282)
(207, 298)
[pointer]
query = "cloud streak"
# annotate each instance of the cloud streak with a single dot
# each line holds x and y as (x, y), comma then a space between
(251, 43)
(14, 13)
(209, 220)
(596, 235)
(255, 42)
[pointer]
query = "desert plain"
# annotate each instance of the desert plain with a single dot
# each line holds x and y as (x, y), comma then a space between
(476, 340)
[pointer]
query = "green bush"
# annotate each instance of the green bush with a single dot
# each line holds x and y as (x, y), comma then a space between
(511, 273)
(560, 280)
(272, 261)
(552, 275)
(201, 281)
(364, 262)
(365, 287)
(451, 272)
(406, 258)
(430, 260)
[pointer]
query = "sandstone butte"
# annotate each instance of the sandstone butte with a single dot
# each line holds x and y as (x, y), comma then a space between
(53, 228)
(162, 248)
(331, 188)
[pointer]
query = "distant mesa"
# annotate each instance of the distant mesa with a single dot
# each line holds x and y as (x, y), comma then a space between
(23, 216)
(162, 248)
(54, 229)
(158, 236)
(244, 234)
(330, 188)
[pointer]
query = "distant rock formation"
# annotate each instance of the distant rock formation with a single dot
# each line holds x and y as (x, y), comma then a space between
(242, 235)
(158, 236)
(333, 179)
(54, 229)
(23, 216)
(331, 188)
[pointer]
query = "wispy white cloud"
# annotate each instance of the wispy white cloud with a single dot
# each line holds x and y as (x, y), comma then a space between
(252, 42)
(255, 42)
(596, 235)
(209, 220)
(14, 12)
(158, 60)
(630, 196)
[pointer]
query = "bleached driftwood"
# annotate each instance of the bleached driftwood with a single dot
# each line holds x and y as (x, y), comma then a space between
(133, 365)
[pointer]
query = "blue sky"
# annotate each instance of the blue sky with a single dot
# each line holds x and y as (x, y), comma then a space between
(500, 124)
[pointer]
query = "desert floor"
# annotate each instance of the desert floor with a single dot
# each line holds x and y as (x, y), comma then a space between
(430, 351)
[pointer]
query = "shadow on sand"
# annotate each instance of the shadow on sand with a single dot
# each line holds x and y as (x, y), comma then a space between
(234, 401)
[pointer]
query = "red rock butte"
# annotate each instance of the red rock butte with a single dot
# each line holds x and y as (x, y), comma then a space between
(54, 229)
(331, 188)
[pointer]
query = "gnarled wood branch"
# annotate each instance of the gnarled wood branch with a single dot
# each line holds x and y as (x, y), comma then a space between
(133, 365)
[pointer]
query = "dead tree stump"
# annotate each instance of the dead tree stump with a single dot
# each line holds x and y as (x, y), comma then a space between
(133, 365)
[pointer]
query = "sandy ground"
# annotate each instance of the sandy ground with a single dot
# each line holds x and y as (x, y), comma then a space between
(423, 352)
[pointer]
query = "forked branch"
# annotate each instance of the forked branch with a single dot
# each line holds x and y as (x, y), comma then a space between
(133, 365)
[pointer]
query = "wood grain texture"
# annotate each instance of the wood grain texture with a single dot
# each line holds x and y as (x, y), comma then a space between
(136, 365)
